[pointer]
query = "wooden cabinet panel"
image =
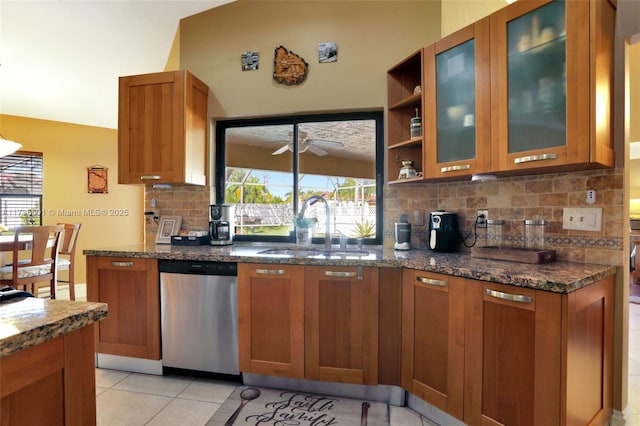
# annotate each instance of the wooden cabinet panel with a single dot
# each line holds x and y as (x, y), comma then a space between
(50, 384)
(162, 127)
(271, 319)
(131, 288)
(389, 326)
(538, 358)
(341, 335)
(433, 338)
(583, 79)
(451, 146)
(589, 363)
(513, 356)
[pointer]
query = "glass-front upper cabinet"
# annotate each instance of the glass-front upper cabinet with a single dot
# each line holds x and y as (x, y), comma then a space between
(551, 71)
(457, 103)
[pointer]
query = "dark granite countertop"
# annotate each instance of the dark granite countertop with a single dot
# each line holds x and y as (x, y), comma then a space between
(30, 321)
(559, 277)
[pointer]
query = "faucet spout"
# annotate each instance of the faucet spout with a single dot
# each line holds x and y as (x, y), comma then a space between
(312, 200)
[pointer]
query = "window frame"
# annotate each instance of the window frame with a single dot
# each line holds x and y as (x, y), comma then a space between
(220, 164)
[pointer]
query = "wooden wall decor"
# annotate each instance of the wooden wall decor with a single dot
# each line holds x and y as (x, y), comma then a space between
(97, 182)
(289, 68)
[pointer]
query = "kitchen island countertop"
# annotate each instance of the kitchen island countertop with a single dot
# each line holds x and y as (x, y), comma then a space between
(27, 322)
(559, 277)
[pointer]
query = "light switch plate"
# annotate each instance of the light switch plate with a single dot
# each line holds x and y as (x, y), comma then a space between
(582, 218)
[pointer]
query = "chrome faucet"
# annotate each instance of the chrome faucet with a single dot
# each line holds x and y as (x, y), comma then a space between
(311, 201)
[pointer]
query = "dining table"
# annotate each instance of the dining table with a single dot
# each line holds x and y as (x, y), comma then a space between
(8, 241)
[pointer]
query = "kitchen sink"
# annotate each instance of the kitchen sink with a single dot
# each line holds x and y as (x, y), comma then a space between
(311, 252)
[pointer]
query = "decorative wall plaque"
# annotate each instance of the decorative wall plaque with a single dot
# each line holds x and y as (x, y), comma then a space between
(97, 180)
(289, 68)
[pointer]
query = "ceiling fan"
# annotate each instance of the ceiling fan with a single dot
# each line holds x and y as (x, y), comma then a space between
(307, 144)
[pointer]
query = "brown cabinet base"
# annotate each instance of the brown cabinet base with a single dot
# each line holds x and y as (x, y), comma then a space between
(50, 384)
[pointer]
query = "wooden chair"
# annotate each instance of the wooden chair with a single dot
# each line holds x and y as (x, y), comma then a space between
(42, 244)
(67, 247)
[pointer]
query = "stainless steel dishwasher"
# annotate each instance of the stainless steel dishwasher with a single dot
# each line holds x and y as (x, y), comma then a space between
(199, 316)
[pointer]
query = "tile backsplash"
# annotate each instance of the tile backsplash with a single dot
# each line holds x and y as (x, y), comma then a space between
(513, 199)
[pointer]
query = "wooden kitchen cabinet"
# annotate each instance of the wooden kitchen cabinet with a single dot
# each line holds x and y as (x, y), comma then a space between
(313, 322)
(404, 103)
(538, 358)
(341, 324)
(271, 319)
(131, 288)
(527, 89)
(162, 128)
(457, 117)
(552, 84)
(433, 347)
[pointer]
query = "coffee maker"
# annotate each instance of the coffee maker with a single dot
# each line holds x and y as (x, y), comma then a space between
(222, 226)
(444, 233)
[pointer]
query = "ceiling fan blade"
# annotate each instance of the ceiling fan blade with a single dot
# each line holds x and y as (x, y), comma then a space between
(317, 150)
(280, 150)
(325, 142)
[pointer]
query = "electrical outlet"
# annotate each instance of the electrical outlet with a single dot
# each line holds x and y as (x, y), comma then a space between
(481, 217)
(582, 219)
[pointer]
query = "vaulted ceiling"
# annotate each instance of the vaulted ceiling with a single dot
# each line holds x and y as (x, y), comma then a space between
(60, 59)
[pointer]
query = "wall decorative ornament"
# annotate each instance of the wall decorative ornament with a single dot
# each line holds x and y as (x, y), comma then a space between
(97, 180)
(327, 52)
(250, 60)
(289, 68)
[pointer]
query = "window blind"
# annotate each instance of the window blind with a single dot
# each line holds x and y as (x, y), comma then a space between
(21, 189)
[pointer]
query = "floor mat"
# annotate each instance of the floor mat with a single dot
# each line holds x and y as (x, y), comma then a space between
(273, 407)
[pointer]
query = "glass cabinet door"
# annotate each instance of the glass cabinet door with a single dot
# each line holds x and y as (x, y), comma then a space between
(536, 76)
(457, 103)
(552, 84)
(456, 108)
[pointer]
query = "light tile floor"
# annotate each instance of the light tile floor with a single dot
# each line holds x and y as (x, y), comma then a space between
(634, 365)
(139, 399)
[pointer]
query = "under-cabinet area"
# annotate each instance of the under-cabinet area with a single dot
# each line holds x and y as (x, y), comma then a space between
(475, 350)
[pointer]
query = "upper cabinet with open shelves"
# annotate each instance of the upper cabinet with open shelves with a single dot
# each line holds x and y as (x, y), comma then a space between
(527, 89)
(404, 90)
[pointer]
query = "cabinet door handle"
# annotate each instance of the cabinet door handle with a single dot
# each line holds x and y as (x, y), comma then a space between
(150, 177)
(507, 296)
(431, 281)
(539, 157)
(122, 264)
(270, 271)
(455, 168)
(341, 274)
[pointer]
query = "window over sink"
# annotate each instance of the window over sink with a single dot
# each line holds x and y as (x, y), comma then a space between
(262, 163)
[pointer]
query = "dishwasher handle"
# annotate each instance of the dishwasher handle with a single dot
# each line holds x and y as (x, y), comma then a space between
(196, 267)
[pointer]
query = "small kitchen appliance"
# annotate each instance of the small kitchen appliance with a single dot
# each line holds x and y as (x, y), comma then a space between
(222, 225)
(444, 233)
(403, 236)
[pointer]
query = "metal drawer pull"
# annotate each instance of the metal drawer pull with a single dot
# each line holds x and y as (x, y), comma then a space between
(150, 177)
(512, 297)
(431, 281)
(339, 274)
(122, 264)
(270, 271)
(455, 168)
(539, 157)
